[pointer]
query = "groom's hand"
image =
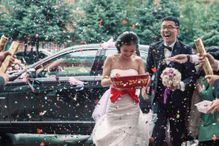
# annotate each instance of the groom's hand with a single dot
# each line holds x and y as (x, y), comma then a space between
(173, 88)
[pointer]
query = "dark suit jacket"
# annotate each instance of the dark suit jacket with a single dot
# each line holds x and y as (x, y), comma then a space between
(187, 70)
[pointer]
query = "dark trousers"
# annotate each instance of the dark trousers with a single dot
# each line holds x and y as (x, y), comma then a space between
(177, 118)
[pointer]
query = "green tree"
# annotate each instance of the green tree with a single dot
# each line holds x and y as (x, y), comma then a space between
(200, 20)
(148, 18)
(209, 26)
(34, 21)
(102, 19)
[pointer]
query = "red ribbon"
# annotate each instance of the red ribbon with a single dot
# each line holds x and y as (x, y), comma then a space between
(117, 93)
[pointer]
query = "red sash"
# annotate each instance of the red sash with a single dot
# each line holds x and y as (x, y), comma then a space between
(117, 93)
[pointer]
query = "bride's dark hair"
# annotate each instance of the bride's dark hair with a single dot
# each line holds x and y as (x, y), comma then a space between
(127, 38)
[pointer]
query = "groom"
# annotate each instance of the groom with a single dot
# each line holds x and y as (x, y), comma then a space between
(176, 108)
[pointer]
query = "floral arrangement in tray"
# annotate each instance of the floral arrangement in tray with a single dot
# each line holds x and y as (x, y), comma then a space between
(133, 81)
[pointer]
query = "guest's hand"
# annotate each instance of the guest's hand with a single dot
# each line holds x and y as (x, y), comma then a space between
(213, 62)
(212, 78)
(180, 58)
(3, 55)
(18, 64)
(214, 106)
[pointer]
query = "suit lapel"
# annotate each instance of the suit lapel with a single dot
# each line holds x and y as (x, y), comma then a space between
(176, 49)
(161, 52)
(160, 55)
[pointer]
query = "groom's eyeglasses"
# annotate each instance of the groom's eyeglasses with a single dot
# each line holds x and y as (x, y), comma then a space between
(169, 27)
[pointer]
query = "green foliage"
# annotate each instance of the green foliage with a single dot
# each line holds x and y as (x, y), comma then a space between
(31, 20)
(148, 19)
(94, 21)
(103, 19)
(200, 20)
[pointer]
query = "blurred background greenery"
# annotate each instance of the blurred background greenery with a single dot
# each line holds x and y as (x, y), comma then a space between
(69, 22)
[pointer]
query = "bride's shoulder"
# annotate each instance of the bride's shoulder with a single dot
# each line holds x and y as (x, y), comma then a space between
(112, 58)
(138, 58)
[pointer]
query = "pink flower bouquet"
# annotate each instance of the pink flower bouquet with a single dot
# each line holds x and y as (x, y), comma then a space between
(171, 77)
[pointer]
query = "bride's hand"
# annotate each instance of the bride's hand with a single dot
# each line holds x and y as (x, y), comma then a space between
(145, 90)
(145, 93)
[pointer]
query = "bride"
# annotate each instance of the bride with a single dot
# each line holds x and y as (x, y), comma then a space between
(122, 124)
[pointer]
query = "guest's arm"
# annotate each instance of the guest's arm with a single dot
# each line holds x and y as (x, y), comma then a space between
(183, 58)
(195, 58)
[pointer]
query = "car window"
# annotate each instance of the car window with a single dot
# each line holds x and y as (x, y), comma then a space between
(144, 53)
(111, 52)
(31, 57)
(71, 64)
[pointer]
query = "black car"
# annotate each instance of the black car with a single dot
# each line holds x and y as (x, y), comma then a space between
(57, 94)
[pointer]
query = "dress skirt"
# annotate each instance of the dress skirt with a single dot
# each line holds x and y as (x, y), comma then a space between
(122, 125)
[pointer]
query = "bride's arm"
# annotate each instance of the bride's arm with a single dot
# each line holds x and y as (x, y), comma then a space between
(106, 81)
(141, 67)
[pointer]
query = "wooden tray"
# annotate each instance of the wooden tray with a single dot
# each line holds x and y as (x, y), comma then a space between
(134, 81)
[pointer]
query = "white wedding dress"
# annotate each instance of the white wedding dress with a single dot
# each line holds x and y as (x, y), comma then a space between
(123, 123)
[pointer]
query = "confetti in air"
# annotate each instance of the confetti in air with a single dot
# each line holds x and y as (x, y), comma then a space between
(100, 22)
(117, 75)
(42, 113)
(124, 21)
(214, 137)
(154, 69)
(42, 144)
(39, 130)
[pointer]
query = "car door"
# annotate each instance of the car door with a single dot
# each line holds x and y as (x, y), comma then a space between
(61, 97)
